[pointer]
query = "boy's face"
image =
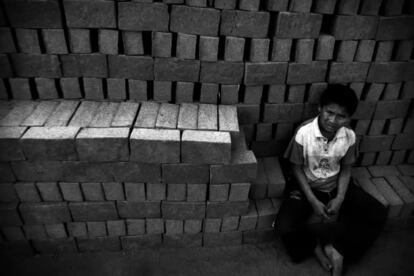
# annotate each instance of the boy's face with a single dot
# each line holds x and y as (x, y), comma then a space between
(332, 117)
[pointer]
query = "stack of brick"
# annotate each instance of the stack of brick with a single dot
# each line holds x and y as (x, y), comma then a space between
(91, 176)
(271, 58)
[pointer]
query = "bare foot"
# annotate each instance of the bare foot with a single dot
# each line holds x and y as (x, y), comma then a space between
(335, 258)
(321, 257)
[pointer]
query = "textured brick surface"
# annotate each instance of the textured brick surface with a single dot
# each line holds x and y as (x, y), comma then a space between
(186, 20)
(243, 23)
(142, 16)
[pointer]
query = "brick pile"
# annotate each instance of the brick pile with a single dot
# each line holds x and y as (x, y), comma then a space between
(271, 58)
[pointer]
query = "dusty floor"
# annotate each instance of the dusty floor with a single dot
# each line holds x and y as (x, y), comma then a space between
(392, 254)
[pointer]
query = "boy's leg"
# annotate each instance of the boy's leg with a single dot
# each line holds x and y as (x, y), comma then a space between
(362, 218)
(291, 225)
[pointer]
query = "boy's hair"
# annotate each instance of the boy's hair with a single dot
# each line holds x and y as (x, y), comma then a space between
(341, 95)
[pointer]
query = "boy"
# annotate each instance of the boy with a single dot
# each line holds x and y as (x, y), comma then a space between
(321, 155)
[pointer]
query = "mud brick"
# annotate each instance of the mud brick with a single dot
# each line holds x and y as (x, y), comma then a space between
(376, 143)
(187, 117)
(230, 224)
(183, 240)
(125, 115)
(9, 143)
(249, 220)
(9, 215)
(92, 191)
(207, 117)
(37, 232)
(360, 173)
(229, 94)
(156, 191)
(185, 173)
(404, 49)
(98, 244)
(348, 7)
(133, 43)
(135, 226)
(192, 226)
(266, 213)
(79, 41)
(13, 233)
(155, 145)
(56, 231)
(275, 177)
(196, 192)
(234, 48)
(249, 5)
(208, 48)
(103, 144)
(116, 89)
(186, 20)
(71, 191)
(393, 7)
(276, 113)
(176, 192)
(364, 111)
(398, 157)
(136, 209)
(46, 88)
(406, 169)
(93, 211)
(374, 92)
(304, 50)
(183, 210)
(54, 41)
(276, 5)
(222, 239)
(296, 94)
(392, 91)
(409, 182)
(108, 41)
(348, 72)
(382, 171)
(376, 127)
(52, 143)
(143, 16)
(244, 23)
(6, 173)
(226, 209)
(403, 141)
(325, 47)
(395, 28)
(104, 114)
(70, 88)
(130, 67)
(161, 44)
(30, 65)
(55, 246)
(221, 72)
(184, 92)
(300, 5)
(212, 225)
(167, 116)
(116, 227)
(6, 41)
(83, 14)
(49, 191)
(281, 49)
(209, 93)
(276, 93)
(298, 25)
(174, 227)
(96, 228)
(138, 172)
(406, 90)
(137, 90)
(384, 50)
(8, 193)
(162, 91)
(365, 50)
(383, 157)
(225, 4)
(93, 88)
(391, 109)
(218, 192)
(28, 41)
(44, 212)
(300, 73)
(20, 89)
(196, 3)
(84, 114)
(139, 242)
(238, 191)
(264, 132)
(25, 14)
(368, 158)
(265, 73)
(186, 46)
(395, 202)
(113, 191)
(27, 192)
(354, 27)
(346, 50)
(370, 7)
(228, 119)
(253, 94)
(84, 65)
(404, 193)
(5, 72)
(409, 126)
(390, 72)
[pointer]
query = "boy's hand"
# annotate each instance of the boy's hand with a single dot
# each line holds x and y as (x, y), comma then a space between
(333, 206)
(319, 208)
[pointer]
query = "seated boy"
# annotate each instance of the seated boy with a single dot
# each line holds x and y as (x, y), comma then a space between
(321, 154)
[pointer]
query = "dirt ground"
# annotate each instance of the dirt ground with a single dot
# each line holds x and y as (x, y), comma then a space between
(392, 254)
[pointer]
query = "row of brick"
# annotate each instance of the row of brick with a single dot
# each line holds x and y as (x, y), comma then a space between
(185, 47)
(224, 72)
(387, 158)
(109, 191)
(156, 17)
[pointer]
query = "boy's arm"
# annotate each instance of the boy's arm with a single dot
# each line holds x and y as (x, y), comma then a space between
(318, 207)
(343, 181)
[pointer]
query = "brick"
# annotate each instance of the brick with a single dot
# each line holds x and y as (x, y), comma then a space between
(50, 143)
(125, 115)
(183, 240)
(96, 228)
(346, 50)
(348, 72)
(98, 244)
(244, 23)
(276, 93)
(174, 227)
(281, 49)
(25, 14)
(265, 73)
(376, 143)
(300, 73)
(239, 191)
(135, 226)
(253, 94)
(348, 7)
(185, 173)
(139, 242)
(173, 69)
(370, 7)
(222, 239)
(192, 226)
(103, 144)
(6, 173)
(116, 89)
(207, 117)
(230, 224)
(54, 40)
(161, 44)
(186, 46)
(84, 114)
(186, 20)
(93, 88)
(404, 193)
(264, 132)
(137, 90)
(228, 119)
(300, 5)
(28, 41)
(391, 109)
(20, 89)
(376, 127)
(374, 92)
(218, 193)
(383, 158)
(249, 220)
(84, 65)
(49, 191)
(392, 91)
(229, 94)
(183, 210)
(390, 72)
(404, 49)
(234, 48)
(209, 93)
(276, 5)
(79, 41)
(62, 114)
(405, 93)
(70, 88)
(212, 225)
(275, 113)
(133, 43)
(9, 143)
(354, 27)
(13, 233)
(165, 143)
(93, 211)
(225, 4)
(156, 191)
(130, 67)
(6, 72)
(113, 191)
(408, 181)
(56, 231)
(147, 115)
(35, 213)
(398, 157)
(184, 92)
(136, 209)
(298, 25)
(108, 41)
(187, 117)
(406, 169)
(162, 91)
(208, 48)
(266, 213)
(35, 232)
(103, 115)
(55, 246)
(221, 72)
(8, 193)
(368, 158)
(226, 209)
(395, 28)
(296, 94)
(304, 50)
(249, 5)
(135, 191)
(382, 171)
(196, 3)
(92, 191)
(71, 191)
(403, 141)
(154, 226)
(7, 43)
(393, 7)
(364, 111)
(365, 50)
(275, 177)
(176, 192)
(31, 65)
(196, 192)
(81, 14)
(395, 202)
(143, 16)
(384, 50)
(46, 88)
(9, 214)
(325, 47)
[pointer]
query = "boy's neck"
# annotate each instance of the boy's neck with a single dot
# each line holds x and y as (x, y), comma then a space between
(326, 134)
